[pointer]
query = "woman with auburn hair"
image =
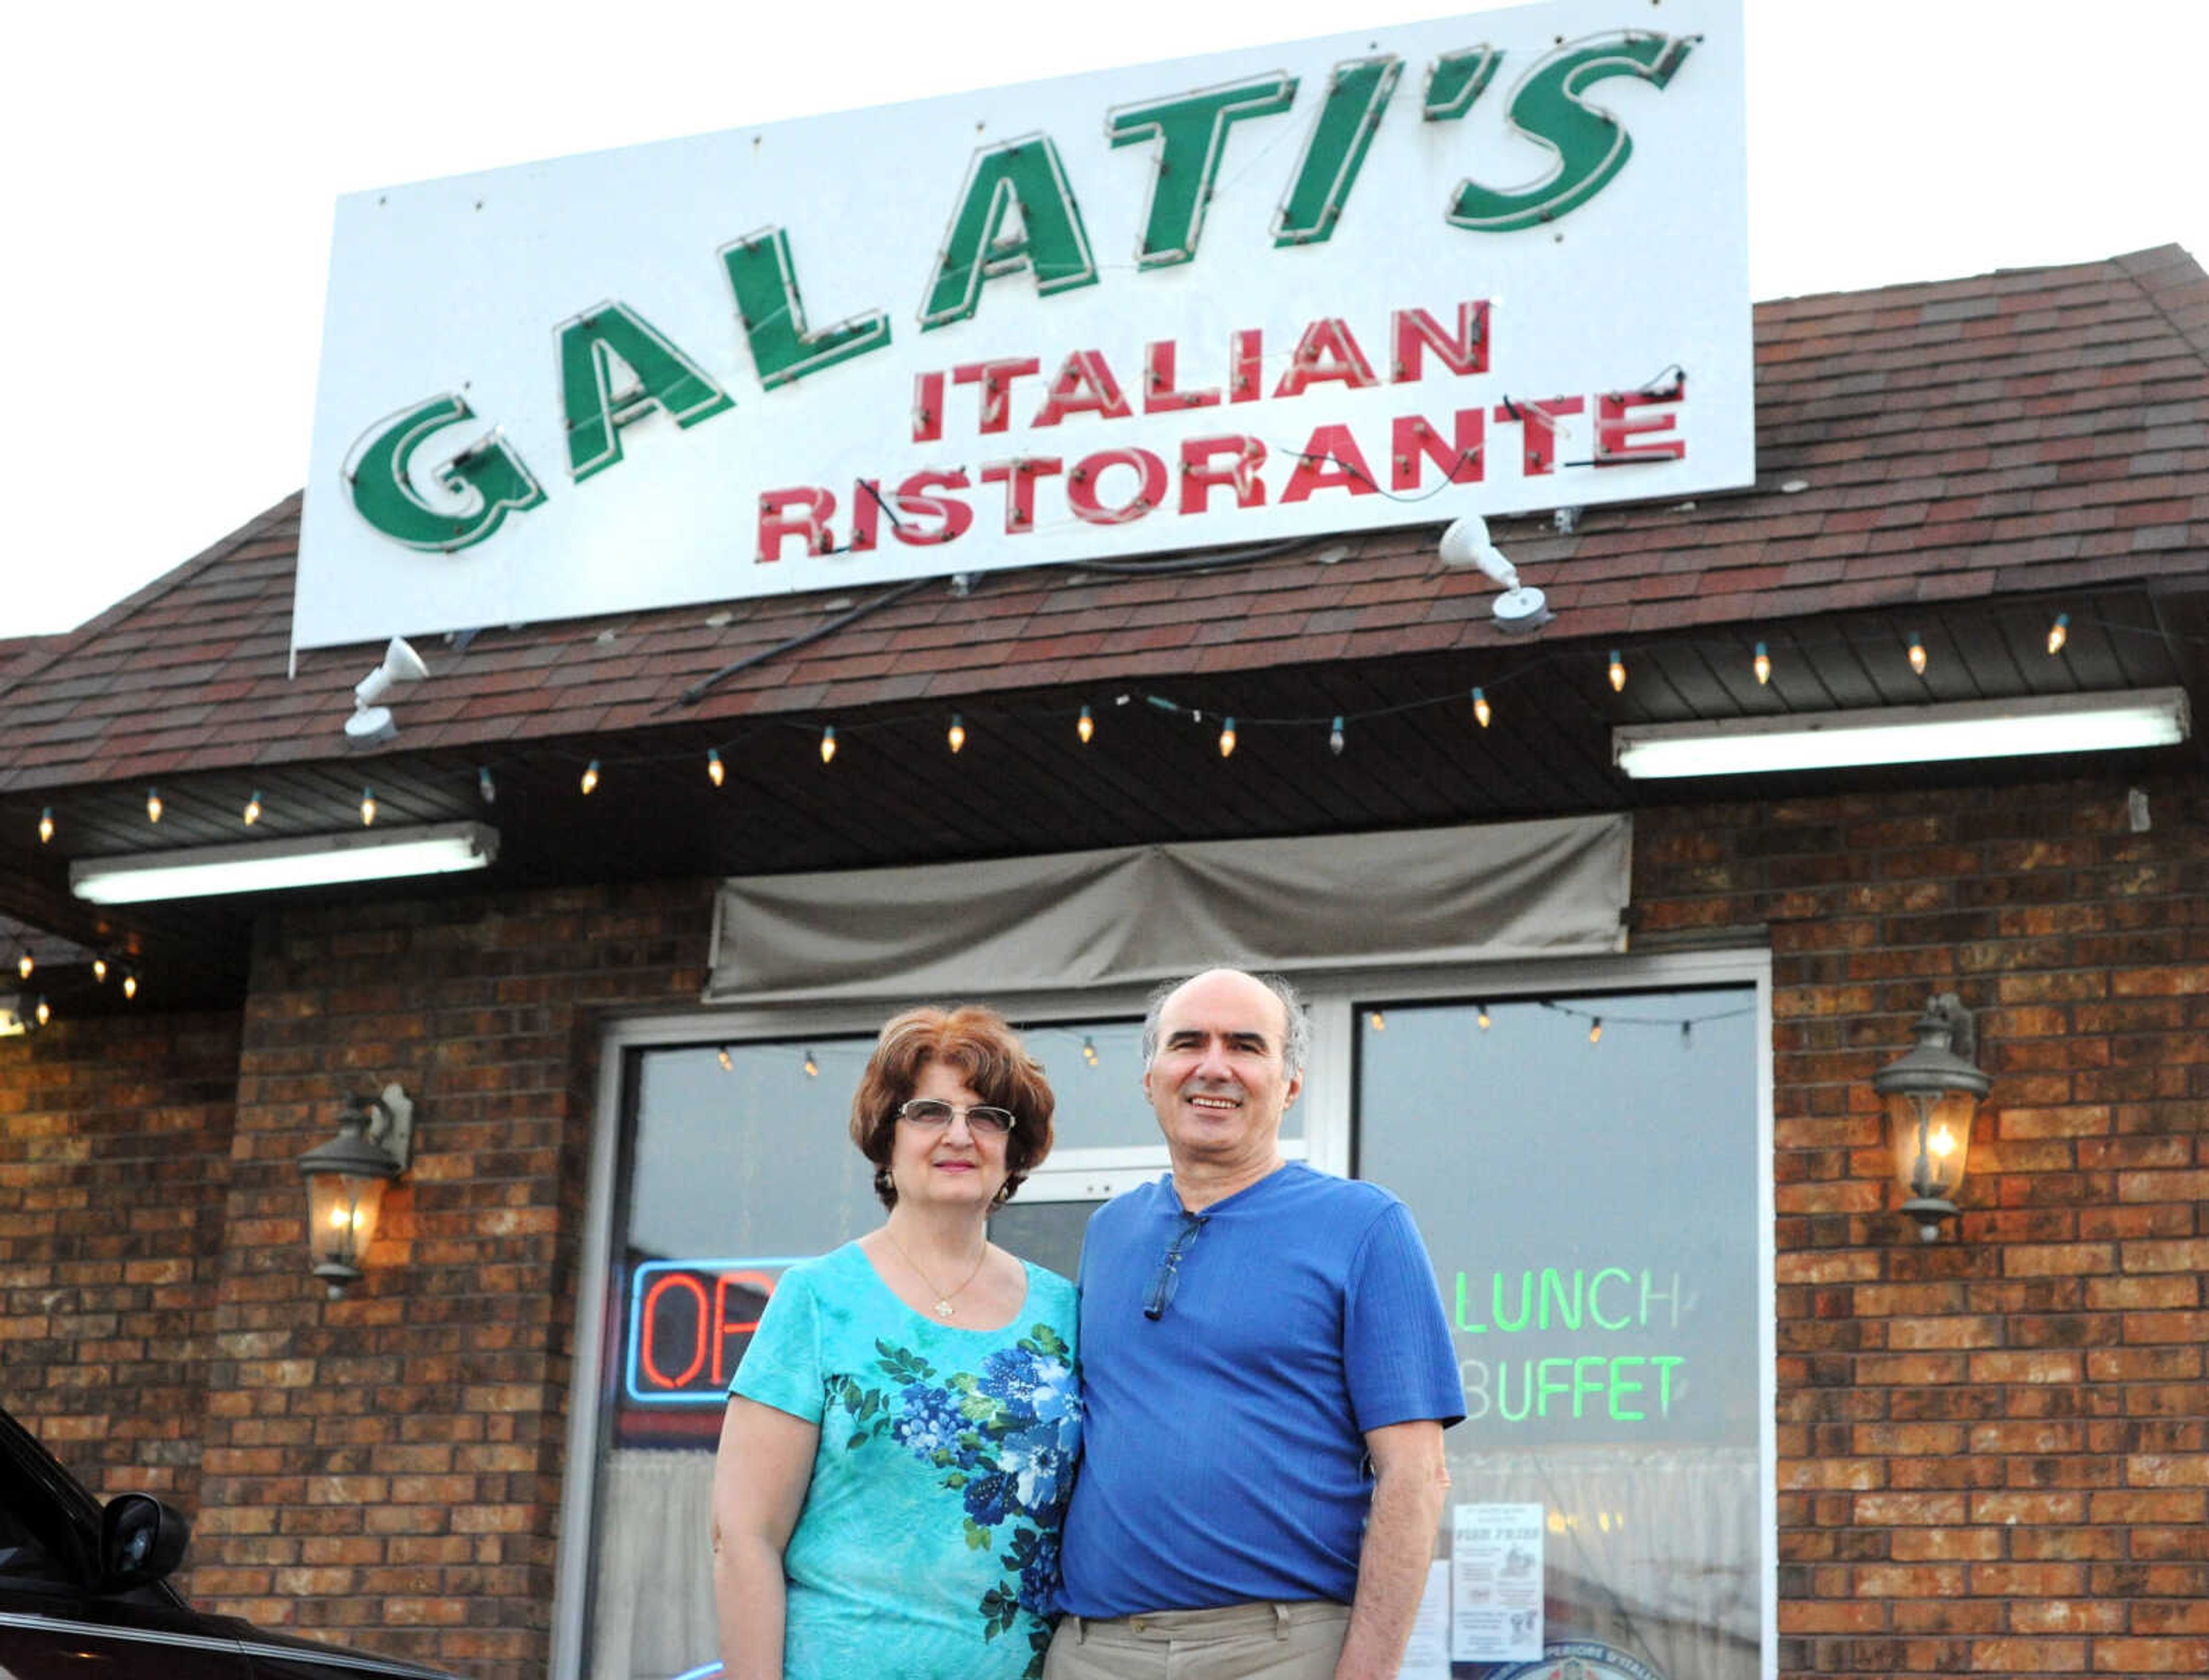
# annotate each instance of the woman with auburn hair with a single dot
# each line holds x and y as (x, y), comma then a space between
(900, 1436)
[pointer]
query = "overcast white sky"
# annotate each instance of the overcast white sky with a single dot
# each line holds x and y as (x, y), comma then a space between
(172, 171)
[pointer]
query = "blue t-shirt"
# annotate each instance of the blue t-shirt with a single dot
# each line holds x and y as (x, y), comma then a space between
(928, 1544)
(1224, 1452)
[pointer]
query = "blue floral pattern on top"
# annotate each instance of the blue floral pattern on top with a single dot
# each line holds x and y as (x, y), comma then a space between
(928, 1546)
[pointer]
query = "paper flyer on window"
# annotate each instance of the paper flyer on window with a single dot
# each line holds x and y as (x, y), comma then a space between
(1426, 1653)
(1495, 1583)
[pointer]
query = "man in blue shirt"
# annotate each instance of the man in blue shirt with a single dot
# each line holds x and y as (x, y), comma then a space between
(1266, 1373)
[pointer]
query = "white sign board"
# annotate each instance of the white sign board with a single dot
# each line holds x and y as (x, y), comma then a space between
(1488, 264)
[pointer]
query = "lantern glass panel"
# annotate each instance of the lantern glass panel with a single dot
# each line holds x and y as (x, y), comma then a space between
(341, 1212)
(1931, 1164)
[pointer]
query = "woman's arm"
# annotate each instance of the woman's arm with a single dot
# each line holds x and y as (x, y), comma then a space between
(761, 1472)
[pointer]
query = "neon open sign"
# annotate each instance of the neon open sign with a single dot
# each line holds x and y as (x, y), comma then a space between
(689, 1321)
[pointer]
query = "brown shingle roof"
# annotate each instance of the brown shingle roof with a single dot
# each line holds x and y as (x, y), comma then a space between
(2016, 433)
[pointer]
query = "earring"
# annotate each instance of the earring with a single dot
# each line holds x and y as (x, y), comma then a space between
(1004, 1194)
(884, 1185)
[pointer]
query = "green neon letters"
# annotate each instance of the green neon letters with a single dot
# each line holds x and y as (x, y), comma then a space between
(765, 281)
(1357, 94)
(488, 477)
(1191, 130)
(1022, 177)
(1590, 144)
(665, 378)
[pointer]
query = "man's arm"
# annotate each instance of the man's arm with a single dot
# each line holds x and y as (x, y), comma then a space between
(1410, 1480)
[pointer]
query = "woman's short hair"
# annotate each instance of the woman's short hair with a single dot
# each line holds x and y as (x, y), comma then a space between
(976, 1043)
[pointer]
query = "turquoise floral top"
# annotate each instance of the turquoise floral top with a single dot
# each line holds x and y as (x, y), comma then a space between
(928, 1546)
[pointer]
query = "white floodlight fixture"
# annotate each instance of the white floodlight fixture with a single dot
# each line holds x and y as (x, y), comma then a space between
(318, 860)
(2111, 722)
(1521, 607)
(371, 723)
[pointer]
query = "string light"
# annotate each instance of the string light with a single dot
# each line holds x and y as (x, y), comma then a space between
(2058, 634)
(827, 744)
(728, 1062)
(1334, 737)
(486, 789)
(129, 983)
(46, 826)
(1085, 727)
(45, 1012)
(956, 735)
(1481, 1015)
(1089, 1051)
(590, 783)
(713, 771)
(24, 963)
(1595, 1031)
(1762, 665)
(812, 1068)
(1916, 654)
(1617, 673)
(1481, 710)
(99, 970)
(1227, 738)
(153, 804)
(252, 811)
(368, 808)
(1377, 1021)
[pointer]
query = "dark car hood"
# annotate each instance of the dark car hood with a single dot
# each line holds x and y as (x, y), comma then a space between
(367, 1664)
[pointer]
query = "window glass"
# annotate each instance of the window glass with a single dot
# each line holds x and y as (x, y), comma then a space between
(1586, 1173)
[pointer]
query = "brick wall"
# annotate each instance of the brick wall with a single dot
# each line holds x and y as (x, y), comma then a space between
(1994, 1451)
(114, 1162)
(384, 1469)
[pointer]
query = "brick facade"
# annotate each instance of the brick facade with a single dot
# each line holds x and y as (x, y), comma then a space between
(1993, 1450)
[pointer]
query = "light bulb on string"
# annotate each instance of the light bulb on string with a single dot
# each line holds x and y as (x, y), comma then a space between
(1085, 727)
(714, 773)
(251, 814)
(45, 1012)
(153, 804)
(1595, 1031)
(1377, 1020)
(1227, 738)
(827, 742)
(24, 965)
(812, 1068)
(368, 808)
(1916, 653)
(1481, 709)
(486, 789)
(2058, 634)
(1334, 737)
(99, 970)
(590, 782)
(1089, 1051)
(1687, 1035)
(1762, 665)
(1617, 672)
(956, 735)
(129, 983)
(46, 826)
(728, 1062)
(1480, 1015)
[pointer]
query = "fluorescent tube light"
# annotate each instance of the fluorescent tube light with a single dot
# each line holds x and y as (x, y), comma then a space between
(319, 860)
(1904, 734)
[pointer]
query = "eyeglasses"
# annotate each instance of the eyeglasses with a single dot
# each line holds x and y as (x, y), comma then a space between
(927, 1114)
(1161, 1293)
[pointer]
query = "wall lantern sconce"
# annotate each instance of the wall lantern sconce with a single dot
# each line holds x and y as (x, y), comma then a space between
(1932, 1092)
(347, 1178)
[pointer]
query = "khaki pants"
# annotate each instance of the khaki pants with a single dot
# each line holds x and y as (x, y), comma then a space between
(1280, 1641)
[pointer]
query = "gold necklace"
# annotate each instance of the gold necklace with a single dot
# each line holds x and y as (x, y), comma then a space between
(943, 1299)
